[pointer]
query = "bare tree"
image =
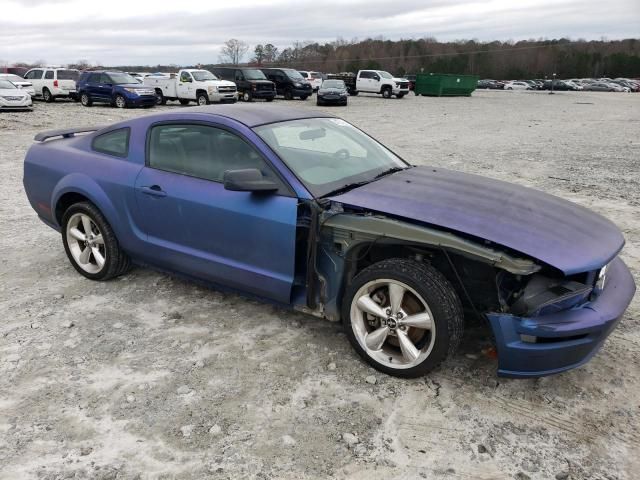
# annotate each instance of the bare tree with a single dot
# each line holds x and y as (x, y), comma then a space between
(80, 65)
(258, 54)
(270, 53)
(233, 51)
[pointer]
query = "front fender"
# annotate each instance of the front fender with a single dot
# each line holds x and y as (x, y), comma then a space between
(88, 187)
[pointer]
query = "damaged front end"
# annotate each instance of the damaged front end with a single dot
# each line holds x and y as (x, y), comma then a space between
(543, 321)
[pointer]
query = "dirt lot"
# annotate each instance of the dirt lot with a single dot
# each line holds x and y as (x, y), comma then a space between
(149, 376)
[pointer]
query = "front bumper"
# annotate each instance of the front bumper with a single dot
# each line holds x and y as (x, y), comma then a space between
(333, 99)
(265, 94)
(566, 339)
(20, 104)
(141, 100)
(223, 96)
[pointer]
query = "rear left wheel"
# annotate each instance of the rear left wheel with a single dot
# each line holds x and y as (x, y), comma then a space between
(91, 244)
(402, 316)
(47, 96)
(85, 100)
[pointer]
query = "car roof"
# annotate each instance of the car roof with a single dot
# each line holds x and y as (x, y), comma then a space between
(254, 115)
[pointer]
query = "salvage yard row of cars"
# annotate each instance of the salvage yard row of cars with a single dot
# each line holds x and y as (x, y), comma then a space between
(574, 84)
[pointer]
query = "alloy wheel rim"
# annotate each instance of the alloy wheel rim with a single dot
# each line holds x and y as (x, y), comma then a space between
(86, 243)
(393, 323)
(246, 97)
(202, 100)
(84, 99)
(119, 102)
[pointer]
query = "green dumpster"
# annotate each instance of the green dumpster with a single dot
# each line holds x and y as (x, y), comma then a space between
(445, 84)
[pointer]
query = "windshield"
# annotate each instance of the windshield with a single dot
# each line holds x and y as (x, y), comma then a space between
(333, 84)
(385, 74)
(6, 84)
(293, 75)
(202, 75)
(327, 154)
(254, 75)
(12, 78)
(122, 78)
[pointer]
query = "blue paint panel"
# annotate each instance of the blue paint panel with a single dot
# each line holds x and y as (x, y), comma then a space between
(241, 239)
(591, 323)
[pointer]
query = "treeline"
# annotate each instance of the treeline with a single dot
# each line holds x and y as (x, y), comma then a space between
(500, 60)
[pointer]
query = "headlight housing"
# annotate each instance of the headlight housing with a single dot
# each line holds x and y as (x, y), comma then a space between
(132, 90)
(602, 278)
(213, 89)
(297, 84)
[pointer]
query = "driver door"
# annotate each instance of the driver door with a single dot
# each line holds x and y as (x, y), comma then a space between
(195, 226)
(185, 86)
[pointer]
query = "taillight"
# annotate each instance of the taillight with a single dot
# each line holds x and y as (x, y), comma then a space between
(55, 83)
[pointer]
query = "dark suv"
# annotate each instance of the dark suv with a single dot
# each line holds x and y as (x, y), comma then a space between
(115, 88)
(250, 82)
(289, 83)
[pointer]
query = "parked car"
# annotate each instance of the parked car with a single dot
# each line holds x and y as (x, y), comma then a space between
(314, 78)
(490, 84)
(13, 98)
(192, 85)
(251, 83)
(332, 92)
(303, 209)
(19, 82)
(52, 82)
(374, 81)
(519, 85)
(289, 83)
(115, 88)
(603, 87)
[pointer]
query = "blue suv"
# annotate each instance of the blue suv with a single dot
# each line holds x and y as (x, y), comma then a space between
(116, 88)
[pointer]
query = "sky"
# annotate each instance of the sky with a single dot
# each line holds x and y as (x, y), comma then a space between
(145, 32)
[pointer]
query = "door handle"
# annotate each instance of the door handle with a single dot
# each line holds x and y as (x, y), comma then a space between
(154, 190)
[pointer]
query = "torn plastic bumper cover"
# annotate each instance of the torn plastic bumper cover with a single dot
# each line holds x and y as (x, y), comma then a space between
(552, 343)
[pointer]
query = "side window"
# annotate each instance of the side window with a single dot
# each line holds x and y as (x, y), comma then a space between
(366, 75)
(104, 78)
(185, 77)
(94, 78)
(48, 75)
(29, 75)
(239, 77)
(35, 74)
(114, 143)
(201, 151)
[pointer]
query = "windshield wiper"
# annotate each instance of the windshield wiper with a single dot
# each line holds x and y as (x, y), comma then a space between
(390, 171)
(350, 186)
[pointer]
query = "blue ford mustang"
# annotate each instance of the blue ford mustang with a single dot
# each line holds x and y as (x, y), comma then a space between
(304, 209)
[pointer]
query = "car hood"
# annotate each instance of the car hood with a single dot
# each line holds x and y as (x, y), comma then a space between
(13, 92)
(557, 232)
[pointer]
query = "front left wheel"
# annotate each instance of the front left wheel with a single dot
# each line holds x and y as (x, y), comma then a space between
(402, 316)
(91, 244)
(120, 101)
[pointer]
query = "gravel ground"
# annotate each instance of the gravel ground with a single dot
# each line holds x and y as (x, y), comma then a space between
(149, 376)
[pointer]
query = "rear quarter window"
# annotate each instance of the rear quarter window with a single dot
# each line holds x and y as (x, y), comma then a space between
(49, 75)
(115, 143)
(67, 75)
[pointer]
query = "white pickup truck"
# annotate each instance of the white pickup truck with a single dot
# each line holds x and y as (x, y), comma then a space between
(374, 81)
(192, 85)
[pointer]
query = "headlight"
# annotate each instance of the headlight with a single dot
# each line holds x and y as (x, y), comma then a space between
(298, 84)
(602, 278)
(132, 90)
(213, 89)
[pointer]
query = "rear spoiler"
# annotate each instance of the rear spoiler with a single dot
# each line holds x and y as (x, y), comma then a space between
(65, 133)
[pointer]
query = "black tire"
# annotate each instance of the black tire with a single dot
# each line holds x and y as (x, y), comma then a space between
(202, 99)
(435, 290)
(288, 94)
(304, 97)
(387, 92)
(85, 99)
(184, 101)
(119, 101)
(47, 96)
(116, 263)
(269, 99)
(319, 102)
(160, 98)
(354, 93)
(400, 95)
(247, 97)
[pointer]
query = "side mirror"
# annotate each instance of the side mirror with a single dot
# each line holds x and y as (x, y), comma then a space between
(248, 180)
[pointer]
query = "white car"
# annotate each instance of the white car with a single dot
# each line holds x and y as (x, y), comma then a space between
(314, 78)
(52, 82)
(517, 86)
(19, 82)
(13, 98)
(189, 85)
